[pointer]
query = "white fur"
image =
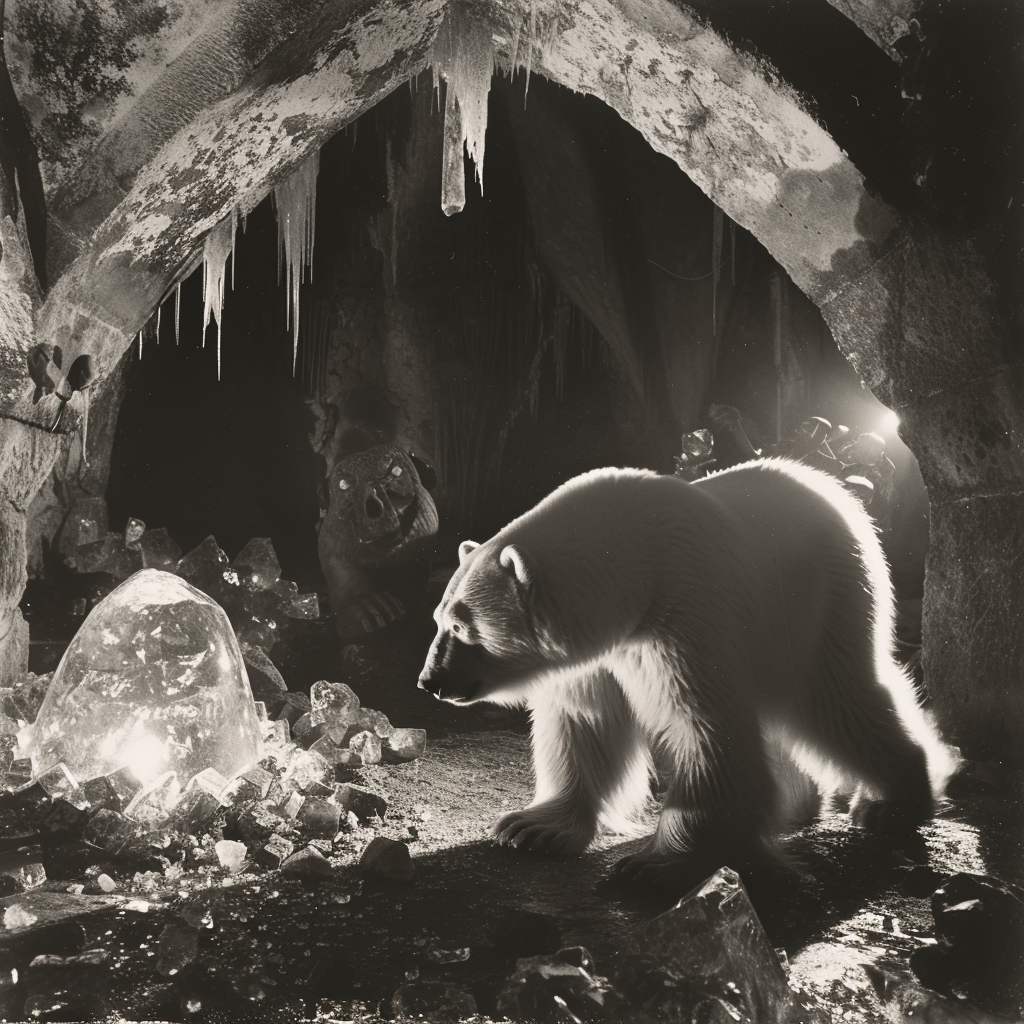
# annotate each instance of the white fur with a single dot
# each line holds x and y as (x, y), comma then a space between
(734, 626)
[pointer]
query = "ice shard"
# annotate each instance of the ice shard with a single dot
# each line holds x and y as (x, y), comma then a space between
(219, 245)
(153, 683)
(295, 200)
(463, 55)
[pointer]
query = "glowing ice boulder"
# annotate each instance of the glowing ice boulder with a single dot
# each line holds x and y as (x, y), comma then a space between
(153, 682)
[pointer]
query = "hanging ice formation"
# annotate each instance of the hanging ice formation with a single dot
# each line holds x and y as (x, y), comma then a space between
(219, 245)
(295, 200)
(463, 55)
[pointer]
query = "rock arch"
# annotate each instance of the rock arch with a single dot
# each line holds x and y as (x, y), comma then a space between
(249, 90)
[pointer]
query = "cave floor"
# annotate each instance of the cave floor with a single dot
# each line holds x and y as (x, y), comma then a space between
(280, 949)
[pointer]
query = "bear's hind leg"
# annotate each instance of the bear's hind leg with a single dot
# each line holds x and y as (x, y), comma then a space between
(876, 735)
(591, 764)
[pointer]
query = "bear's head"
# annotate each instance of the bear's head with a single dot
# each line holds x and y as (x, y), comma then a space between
(492, 638)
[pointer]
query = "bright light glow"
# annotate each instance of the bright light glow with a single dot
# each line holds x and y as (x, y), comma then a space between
(145, 757)
(889, 422)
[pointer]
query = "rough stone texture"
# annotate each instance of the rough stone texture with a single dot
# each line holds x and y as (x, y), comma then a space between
(883, 21)
(973, 657)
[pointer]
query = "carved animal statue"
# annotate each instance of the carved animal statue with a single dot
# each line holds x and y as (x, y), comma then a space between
(732, 626)
(378, 519)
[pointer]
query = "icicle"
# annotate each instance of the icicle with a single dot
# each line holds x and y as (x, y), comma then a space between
(220, 243)
(716, 260)
(158, 308)
(462, 54)
(177, 313)
(139, 339)
(295, 200)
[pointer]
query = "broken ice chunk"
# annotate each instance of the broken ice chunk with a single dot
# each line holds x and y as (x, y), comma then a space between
(376, 722)
(155, 803)
(152, 682)
(109, 555)
(366, 746)
(305, 769)
(204, 565)
(58, 781)
(706, 955)
(336, 705)
(303, 606)
(159, 550)
(257, 564)
(231, 855)
(405, 745)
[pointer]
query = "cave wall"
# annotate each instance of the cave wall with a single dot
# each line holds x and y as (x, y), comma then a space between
(919, 282)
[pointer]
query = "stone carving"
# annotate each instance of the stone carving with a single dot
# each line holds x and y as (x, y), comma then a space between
(377, 518)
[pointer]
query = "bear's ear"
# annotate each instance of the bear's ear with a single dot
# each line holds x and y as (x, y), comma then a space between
(466, 548)
(515, 560)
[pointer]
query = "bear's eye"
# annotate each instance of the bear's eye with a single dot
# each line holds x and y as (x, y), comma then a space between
(343, 484)
(396, 470)
(457, 628)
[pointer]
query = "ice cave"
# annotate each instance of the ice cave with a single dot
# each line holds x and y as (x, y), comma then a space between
(274, 347)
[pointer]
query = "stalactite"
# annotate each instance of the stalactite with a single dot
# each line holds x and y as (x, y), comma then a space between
(158, 308)
(462, 54)
(219, 245)
(295, 201)
(716, 265)
(177, 313)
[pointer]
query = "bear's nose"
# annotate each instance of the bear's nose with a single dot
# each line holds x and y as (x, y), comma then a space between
(431, 684)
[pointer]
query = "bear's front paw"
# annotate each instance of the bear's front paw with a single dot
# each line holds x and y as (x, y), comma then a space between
(540, 830)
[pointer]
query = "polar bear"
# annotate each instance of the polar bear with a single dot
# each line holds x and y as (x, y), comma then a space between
(730, 627)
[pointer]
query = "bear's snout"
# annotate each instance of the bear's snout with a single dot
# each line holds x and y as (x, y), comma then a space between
(444, 685)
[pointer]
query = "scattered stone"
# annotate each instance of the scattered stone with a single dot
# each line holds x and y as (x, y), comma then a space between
(438, 955)
(106, 883)
(133, 531)
(906, 1001)
(545, 988)
(404, 745)
(576, 956)
(18, 916)
(68, 988)
(274, 852)
(388, 860)
(51, 908)
(521, 933)
(707, 955)
(319, 817)
(979, 925)
(231, 855)
(922, 880)
(308, 864)
(432, 1000)
(362, 802)
(177, 947)
(25, 866)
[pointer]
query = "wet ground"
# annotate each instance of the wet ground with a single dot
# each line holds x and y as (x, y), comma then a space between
(278, 949)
